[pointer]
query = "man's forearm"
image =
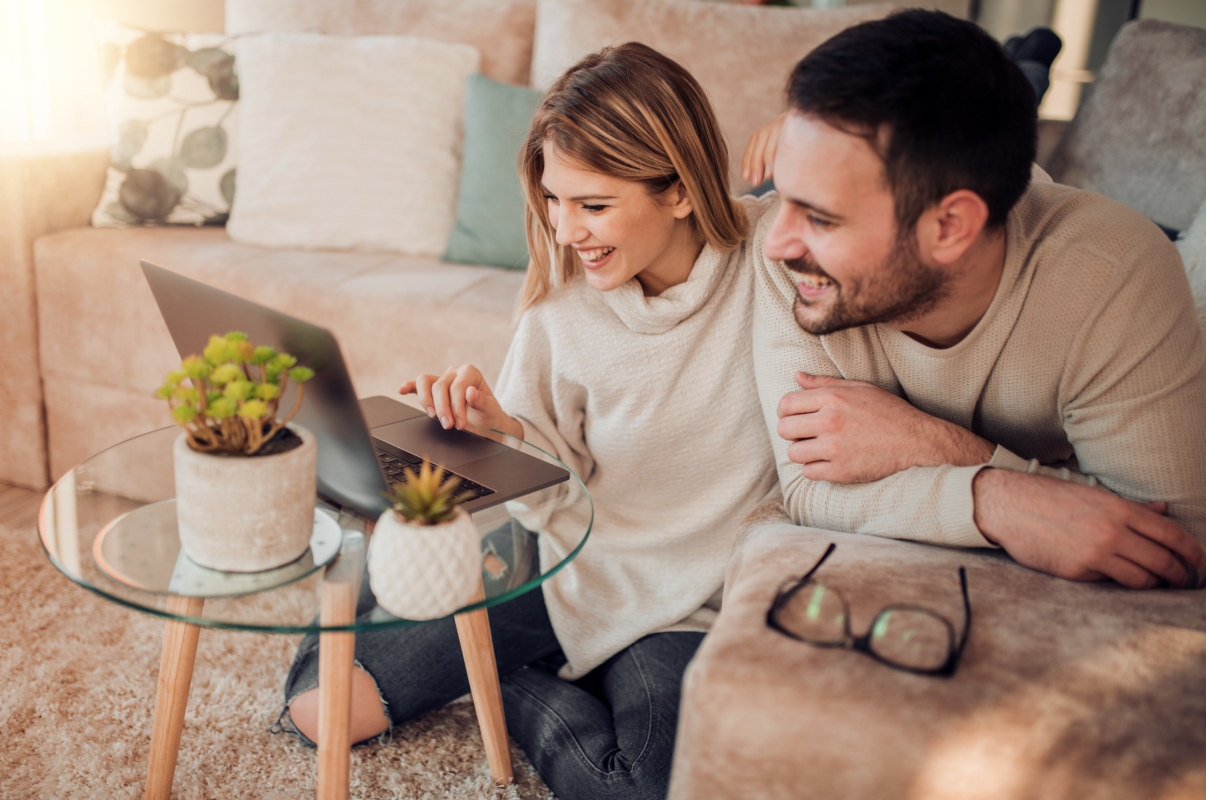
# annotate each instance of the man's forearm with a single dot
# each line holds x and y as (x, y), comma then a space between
(925, 504)
(947, 443)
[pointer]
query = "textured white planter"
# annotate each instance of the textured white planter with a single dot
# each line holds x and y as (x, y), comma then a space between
(424, 571)
(240, 514)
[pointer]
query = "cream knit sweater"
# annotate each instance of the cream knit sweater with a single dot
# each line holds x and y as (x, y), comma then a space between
(652, 402)
(1089, 357)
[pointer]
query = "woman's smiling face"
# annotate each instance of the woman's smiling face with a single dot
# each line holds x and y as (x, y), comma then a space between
(618, 229)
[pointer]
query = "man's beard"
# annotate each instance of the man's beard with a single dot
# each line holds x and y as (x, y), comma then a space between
(902, 290)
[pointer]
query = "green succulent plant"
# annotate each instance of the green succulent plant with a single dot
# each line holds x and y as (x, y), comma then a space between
(425, 497)
(227, 398)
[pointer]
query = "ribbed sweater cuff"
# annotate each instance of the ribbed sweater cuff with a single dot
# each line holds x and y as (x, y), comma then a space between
(1005, 459)
(958, 511)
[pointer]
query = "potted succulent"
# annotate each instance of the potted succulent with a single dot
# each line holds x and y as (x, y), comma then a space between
(424, 558)
(245, 480)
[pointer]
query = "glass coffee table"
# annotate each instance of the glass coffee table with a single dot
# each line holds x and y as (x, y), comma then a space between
(109, 525)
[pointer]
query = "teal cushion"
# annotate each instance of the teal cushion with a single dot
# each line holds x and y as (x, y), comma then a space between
(489, 209)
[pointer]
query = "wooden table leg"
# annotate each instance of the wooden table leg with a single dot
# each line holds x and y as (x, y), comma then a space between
(340, 588)
(477, 648)
(171, 696)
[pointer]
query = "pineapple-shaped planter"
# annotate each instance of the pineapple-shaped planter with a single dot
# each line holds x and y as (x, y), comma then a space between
(424, 559)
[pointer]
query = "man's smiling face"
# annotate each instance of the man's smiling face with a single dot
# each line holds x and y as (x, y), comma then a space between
(837, 231)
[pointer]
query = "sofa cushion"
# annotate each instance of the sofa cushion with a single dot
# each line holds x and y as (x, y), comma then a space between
(740, 54)
(172, 101)
(501, 30)
(349, 142)
(489, 225)
(394, 317)
(1065, 690)
(1138, 136)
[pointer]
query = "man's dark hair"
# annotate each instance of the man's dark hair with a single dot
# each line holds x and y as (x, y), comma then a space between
(939, 101)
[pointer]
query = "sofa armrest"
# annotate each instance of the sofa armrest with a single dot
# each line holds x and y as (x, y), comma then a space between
(57, 185)
(43, 189)
(1058, 683)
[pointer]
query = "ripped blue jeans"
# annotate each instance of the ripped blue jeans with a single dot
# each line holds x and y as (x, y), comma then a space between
(607, 735)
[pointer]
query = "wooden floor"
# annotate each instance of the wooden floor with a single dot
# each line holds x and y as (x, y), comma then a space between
(19, 507)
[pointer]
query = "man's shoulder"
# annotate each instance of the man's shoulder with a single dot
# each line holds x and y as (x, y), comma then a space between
(1073, 235)
(1095, 268)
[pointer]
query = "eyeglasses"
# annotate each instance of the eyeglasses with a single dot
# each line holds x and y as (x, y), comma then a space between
(906, 637)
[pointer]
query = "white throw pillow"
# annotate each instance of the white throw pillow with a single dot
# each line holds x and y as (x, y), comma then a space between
(349, 143)
(172, 100)
(1192, 246)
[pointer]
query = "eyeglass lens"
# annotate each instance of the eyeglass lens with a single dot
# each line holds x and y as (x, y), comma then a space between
(911, 638)
(816, 614)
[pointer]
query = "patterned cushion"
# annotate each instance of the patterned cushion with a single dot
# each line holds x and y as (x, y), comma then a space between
(172, 102)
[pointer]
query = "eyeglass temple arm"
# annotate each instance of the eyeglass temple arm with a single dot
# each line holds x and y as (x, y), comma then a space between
(782, 598)
(967, 612)
(832, 546)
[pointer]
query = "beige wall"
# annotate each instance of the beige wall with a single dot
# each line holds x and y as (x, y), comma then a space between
(1005, 18)
(1182, 12)
(196, 16)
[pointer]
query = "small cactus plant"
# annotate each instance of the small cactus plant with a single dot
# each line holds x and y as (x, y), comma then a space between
(227, 398)
(426, 498)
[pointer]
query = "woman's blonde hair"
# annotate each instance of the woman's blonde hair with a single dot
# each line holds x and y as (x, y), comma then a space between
(632, 113)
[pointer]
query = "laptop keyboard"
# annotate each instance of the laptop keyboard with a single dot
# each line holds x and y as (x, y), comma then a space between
(393, 464)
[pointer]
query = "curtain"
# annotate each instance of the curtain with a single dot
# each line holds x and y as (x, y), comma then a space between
(49, 77)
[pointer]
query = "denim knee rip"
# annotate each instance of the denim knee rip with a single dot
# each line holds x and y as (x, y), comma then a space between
(284, 723)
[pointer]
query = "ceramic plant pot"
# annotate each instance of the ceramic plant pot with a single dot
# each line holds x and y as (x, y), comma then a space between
(424, 571)
(246, 514)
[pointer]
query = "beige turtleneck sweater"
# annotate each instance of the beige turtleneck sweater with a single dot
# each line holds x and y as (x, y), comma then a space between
(1090, 356)
(652, 402)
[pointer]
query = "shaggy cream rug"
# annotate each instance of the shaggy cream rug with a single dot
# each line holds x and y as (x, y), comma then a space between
(77, 685)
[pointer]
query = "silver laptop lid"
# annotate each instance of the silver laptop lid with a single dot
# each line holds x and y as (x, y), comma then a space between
(347, 463)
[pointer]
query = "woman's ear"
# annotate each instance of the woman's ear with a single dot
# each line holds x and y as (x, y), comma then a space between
(681, 206)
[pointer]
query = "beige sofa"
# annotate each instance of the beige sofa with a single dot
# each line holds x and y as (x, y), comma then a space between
(82, 339)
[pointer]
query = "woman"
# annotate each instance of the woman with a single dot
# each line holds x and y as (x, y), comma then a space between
(631, 364)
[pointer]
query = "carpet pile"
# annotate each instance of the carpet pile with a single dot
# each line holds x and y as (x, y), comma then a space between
(77, 686)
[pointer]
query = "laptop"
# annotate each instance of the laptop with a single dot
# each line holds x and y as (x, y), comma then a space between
(365, 445)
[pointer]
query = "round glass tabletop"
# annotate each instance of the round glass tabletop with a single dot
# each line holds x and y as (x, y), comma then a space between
(110, 526)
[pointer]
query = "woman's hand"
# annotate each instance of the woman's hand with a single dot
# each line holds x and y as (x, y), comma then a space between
(759, 158)
(459, 398)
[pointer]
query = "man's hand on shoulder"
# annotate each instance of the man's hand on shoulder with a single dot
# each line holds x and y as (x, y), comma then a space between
(855, 432)
(1082, 533)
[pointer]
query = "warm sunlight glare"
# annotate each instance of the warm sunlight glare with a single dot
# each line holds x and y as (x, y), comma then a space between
(48, 75)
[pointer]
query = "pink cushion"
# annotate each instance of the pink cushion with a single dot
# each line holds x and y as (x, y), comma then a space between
(501, 29)
(740, 54)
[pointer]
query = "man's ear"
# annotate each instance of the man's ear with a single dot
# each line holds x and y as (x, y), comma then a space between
(947, 229)
(681, 206)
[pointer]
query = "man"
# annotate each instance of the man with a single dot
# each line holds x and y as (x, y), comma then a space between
(958, 354)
